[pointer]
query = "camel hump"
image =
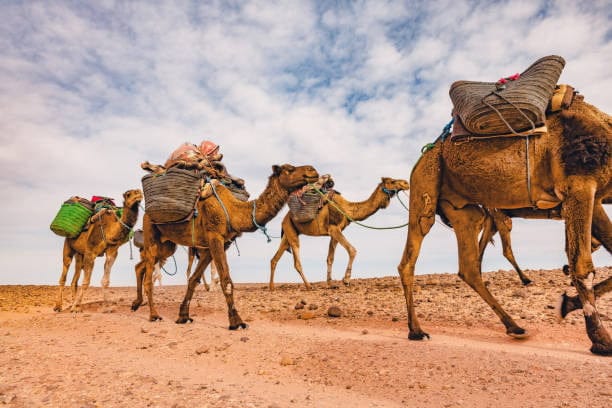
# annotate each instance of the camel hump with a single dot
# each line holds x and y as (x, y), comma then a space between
(510, 105)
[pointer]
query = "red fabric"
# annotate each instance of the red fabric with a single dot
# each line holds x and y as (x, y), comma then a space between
(208, 148)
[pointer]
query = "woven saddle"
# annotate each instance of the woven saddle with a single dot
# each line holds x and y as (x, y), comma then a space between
(511, 105)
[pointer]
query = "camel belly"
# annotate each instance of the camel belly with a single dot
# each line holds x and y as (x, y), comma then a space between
(494, 173)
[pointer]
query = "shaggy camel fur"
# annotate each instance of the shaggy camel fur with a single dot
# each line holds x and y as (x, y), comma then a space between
(501, 221)
(568, 165)
(220, 219)
(103, 236)
(330, 221)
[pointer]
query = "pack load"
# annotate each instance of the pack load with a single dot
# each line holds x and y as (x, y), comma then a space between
(511, 105)
(191, 172)
(72, 217)
(305, 203)
(172, 195)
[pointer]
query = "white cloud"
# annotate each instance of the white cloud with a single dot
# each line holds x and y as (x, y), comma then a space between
(89, 91)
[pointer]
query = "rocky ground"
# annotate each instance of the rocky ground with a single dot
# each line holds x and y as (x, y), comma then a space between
(295, 355)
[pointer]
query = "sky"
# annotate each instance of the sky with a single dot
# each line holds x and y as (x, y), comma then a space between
(89, 90)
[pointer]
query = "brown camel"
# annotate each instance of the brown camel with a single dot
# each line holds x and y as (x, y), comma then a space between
(104, 235)
(501, 221)
(220, 219)
(330, 221)
(568, 165)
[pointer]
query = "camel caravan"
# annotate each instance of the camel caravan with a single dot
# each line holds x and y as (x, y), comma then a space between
(521, 147)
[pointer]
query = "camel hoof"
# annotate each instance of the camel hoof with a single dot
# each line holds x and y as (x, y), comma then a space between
(135, 306)
(418, 335)
(346, 282)
(601, 349)
(57, 309)
(76, 309)
(238, 326)
(183, 320)
(517, 333)
(155, 318)
(527, 282)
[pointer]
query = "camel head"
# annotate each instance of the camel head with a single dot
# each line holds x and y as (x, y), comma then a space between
(131, 198)
(392, 186)
(291, 177)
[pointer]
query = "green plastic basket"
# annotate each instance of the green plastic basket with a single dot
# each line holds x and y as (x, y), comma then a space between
(70, 219)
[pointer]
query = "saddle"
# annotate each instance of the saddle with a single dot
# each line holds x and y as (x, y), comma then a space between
(511, 105)
(562, 98)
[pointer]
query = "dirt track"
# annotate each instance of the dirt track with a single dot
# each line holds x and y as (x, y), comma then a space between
(110, 356)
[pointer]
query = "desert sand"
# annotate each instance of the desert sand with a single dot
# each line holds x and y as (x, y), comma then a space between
(109, 356)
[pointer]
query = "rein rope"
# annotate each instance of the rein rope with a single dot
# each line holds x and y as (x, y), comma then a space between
(175, 268)
(262, 228)
(389, 192)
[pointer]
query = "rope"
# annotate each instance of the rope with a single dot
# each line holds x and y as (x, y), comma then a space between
(227, 217)
(349, 218)
(175, 268)
(262, 228)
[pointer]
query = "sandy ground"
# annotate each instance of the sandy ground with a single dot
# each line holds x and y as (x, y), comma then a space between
(109, 356)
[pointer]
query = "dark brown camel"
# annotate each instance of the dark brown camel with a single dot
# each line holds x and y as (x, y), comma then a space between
(104, 235)
(569, 165)
(330, 221)
(218, 222)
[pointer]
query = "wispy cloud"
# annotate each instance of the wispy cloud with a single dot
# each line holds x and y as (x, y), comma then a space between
(90, 90)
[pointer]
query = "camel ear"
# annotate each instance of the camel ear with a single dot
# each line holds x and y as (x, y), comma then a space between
(276, 170)
(385, 179)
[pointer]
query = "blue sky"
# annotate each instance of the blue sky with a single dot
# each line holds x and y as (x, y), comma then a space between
(89, 90)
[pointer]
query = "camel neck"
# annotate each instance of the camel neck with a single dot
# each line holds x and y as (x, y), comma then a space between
(361, 210)
(130, 215)
(269, 203)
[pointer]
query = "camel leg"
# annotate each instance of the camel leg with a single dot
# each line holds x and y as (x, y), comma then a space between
(193, 282)
(291, 234)
(330, 259)
(578, 209)
(78, 268)
(217, 251)
(140, 272)
(421, 218)
(336, 234)
(504, 226)
(88, 264)
(282, 247)
(67, 256)
(467, 223)
(111, 256)
(601, 227)
(568, 304)
(214, 276)
(164, 251)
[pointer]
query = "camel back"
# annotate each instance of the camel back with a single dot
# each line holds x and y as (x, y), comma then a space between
(72, 217)
(171, 196)
(507, 106)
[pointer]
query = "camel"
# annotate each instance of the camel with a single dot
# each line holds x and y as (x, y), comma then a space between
(568, 165)
(104, 235)
(220, 219)
(330, 221)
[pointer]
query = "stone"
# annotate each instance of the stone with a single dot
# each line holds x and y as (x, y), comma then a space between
(334, 311)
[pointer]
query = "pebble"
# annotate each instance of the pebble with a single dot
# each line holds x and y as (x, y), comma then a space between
(334, 311)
